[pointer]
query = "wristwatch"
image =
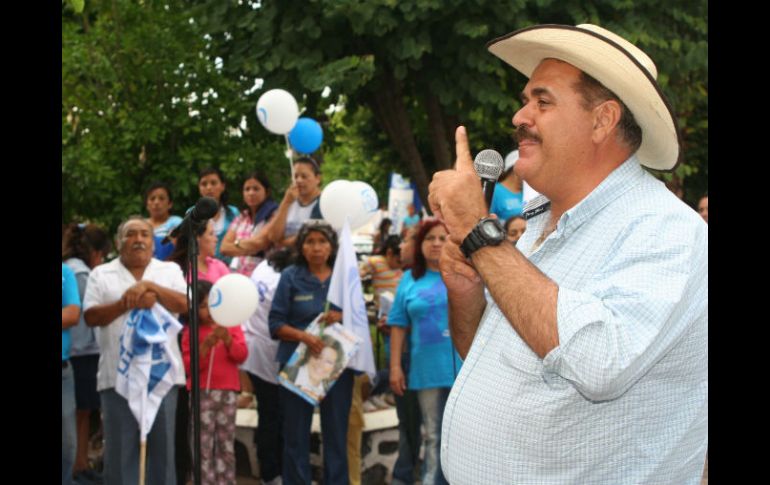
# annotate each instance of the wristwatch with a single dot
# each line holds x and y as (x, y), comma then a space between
(488, 232)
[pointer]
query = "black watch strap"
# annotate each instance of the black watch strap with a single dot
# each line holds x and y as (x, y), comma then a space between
(477, 238)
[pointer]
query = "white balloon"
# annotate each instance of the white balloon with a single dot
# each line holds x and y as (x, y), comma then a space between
(232, 300)
(367, 206)
(277, 110)
(336, 201)
(355, 200)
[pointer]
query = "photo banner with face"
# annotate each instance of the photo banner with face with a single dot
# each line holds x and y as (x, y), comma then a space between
(312, 377)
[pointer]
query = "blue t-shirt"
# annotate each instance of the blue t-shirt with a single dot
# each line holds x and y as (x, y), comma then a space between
(163, 251)
(422, 305)
(298, 299)
(505, 203)
(69, 296)
(410, 221)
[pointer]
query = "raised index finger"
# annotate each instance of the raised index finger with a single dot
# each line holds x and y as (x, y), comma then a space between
(464, 160)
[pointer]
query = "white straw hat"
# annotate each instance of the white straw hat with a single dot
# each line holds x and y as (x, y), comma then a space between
(613, 61)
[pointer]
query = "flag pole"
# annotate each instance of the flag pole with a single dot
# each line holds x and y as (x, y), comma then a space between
(142, 460)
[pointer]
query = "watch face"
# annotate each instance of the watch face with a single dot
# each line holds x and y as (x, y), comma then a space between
(491, 230)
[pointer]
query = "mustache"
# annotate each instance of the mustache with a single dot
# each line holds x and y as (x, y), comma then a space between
(139, 246)
(523, 133)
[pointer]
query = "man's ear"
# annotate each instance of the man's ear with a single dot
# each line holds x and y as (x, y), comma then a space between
(606, 118)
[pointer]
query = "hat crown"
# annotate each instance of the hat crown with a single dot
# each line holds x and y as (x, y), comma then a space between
(637, 53)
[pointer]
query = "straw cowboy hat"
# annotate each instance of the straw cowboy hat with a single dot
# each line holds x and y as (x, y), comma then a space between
(613, 61)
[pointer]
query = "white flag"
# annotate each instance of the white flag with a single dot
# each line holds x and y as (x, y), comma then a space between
(346, 292)
(147, 368)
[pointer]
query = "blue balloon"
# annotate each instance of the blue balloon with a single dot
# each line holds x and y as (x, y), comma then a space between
(306, 136)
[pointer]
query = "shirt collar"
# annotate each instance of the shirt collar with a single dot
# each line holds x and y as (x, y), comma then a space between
(623, 178)
(537, 211)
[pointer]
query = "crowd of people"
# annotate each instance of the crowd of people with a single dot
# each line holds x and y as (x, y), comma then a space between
(526, 310)
(288, 252)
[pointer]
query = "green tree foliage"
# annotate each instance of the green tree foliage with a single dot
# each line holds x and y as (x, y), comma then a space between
(144, 99)
(157, 90)
(421, 66)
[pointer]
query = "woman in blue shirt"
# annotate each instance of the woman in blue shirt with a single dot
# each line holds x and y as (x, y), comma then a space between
(420, 308)
(299, 298)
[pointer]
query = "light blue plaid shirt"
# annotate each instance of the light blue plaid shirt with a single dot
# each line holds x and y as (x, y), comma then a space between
(623, 398)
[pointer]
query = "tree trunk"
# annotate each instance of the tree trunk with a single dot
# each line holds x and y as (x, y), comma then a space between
(387, 104)
(437, 132)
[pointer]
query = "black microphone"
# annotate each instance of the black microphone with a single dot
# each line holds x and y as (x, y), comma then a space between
(488, 165)
(204, 209)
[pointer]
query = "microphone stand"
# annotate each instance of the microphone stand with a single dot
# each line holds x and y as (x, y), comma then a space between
(192, 308)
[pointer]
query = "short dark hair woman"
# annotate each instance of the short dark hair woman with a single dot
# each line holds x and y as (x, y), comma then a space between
(298, 300)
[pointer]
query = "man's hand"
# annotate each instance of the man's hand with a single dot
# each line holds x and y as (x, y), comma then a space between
(459, 275)
(455, 196)
(147, 300)
(314, 344)
(132, 296)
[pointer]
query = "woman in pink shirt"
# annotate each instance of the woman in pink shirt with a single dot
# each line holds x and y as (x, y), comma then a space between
(222, 350)
(209, 268)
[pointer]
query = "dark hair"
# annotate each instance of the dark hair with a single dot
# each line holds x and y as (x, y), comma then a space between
(420, 265)
(82, 240)
(320, 226)
(218, 173)
(385, 223)
(179, 255)
(157, 185)
(510, 220)
(280, 258)
(594, 92)
(392, 242)
(264, 182)
(204, 288)
(310, 161)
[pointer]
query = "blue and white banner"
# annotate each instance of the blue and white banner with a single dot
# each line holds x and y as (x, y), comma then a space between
(147, 369)
(346, 292)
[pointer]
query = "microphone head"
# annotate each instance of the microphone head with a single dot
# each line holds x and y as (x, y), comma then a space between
(205, 208)
(488, 164)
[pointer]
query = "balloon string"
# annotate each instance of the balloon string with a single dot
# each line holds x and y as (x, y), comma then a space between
(211, 366)
(288, 155)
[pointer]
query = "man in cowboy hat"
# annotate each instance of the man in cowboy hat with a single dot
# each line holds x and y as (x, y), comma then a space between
(588, 362)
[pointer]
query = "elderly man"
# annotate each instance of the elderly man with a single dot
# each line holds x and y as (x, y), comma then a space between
(588, 363)
(134, 280)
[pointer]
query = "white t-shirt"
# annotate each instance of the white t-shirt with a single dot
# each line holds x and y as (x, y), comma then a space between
(297, 216)
(106, 284)
(262, 348)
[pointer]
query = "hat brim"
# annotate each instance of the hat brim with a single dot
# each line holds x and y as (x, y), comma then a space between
(611, 65)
